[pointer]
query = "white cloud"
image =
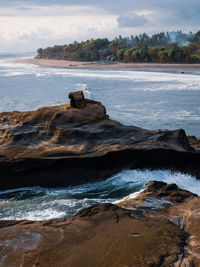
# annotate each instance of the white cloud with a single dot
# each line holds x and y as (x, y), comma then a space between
(53, 29)
(57, 20)
(41, 23)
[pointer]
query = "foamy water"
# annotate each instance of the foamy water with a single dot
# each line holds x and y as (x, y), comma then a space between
(147, 99)
(41, 203)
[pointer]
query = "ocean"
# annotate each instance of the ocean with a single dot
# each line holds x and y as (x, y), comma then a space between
(147, 99)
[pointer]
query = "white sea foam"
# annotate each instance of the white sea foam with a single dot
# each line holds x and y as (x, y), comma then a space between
(83, 87)
(167, 81)
(37, 215)
(170, 81)
(183, 181)
(133, 195)
(41, 203)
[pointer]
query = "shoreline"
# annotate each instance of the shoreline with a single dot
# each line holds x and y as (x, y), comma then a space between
(115, 65)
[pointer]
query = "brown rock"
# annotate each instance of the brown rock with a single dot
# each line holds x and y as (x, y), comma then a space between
(157, 195)
(104, 236)
(81, 145)
(107, 235)
(169, 191)
(77, 99)
(194, 142)
(187, 217)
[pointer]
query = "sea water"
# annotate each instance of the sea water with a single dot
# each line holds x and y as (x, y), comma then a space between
(38, 203)
(147, 99)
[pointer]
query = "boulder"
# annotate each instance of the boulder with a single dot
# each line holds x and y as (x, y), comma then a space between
(77, 99)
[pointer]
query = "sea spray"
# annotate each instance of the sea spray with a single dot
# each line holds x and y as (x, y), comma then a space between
(42, 203)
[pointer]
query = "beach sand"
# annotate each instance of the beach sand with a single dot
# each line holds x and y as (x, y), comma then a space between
(114, 65)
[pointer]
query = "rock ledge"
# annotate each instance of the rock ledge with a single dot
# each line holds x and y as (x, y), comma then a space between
(63, 145)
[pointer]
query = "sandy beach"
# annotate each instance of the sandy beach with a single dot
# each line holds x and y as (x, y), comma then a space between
(114, 65)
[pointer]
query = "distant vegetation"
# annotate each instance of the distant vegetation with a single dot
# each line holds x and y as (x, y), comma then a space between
(173, 47)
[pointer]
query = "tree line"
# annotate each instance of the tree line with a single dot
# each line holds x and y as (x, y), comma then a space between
(173, 47)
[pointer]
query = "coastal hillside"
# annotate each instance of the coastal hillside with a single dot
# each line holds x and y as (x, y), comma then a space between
(173, 47)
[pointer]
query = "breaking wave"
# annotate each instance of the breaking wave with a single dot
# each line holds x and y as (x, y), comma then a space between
(41, 203)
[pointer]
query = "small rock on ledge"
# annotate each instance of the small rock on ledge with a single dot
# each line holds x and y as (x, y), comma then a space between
(77, 99)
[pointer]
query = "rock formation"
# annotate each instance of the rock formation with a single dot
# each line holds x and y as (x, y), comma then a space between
(77, 99)
(76, 143)
(194, 142)
(109, 235)
(65, 145)
(155, 195)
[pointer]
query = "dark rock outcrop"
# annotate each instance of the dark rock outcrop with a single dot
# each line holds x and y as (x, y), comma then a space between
(62, 145)
(77, 99)
(157, 195)
(194, 142)
(170, 192)
(107, 235)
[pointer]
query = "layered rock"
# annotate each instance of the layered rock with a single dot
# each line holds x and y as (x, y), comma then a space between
(72, 144)
(157, 195)
(108, 235)
(194, 142)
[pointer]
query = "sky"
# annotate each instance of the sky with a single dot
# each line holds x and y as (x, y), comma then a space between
(26, 25)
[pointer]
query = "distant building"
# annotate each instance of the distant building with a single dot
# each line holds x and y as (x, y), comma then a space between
(110, 58)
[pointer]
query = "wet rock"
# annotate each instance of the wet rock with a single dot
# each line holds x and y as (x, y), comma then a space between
(157, 195)
(169, 191)
(101, 238)
(107, 235)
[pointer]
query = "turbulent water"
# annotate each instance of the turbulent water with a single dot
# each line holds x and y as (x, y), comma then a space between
(146, 99)
(41, 203)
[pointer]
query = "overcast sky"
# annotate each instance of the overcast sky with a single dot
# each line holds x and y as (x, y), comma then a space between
(26, 25)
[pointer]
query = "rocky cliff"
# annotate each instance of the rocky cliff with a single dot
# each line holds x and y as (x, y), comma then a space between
(76, 143)
(68, 145)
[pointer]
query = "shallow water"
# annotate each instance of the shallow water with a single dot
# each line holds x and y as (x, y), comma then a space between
(146, 99)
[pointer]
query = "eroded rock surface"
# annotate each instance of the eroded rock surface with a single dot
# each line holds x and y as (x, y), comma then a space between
(157, 195)
(62, 145)
(77, 99)
(108, 235)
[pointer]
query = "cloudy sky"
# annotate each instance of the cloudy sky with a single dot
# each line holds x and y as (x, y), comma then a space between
(26, 25)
